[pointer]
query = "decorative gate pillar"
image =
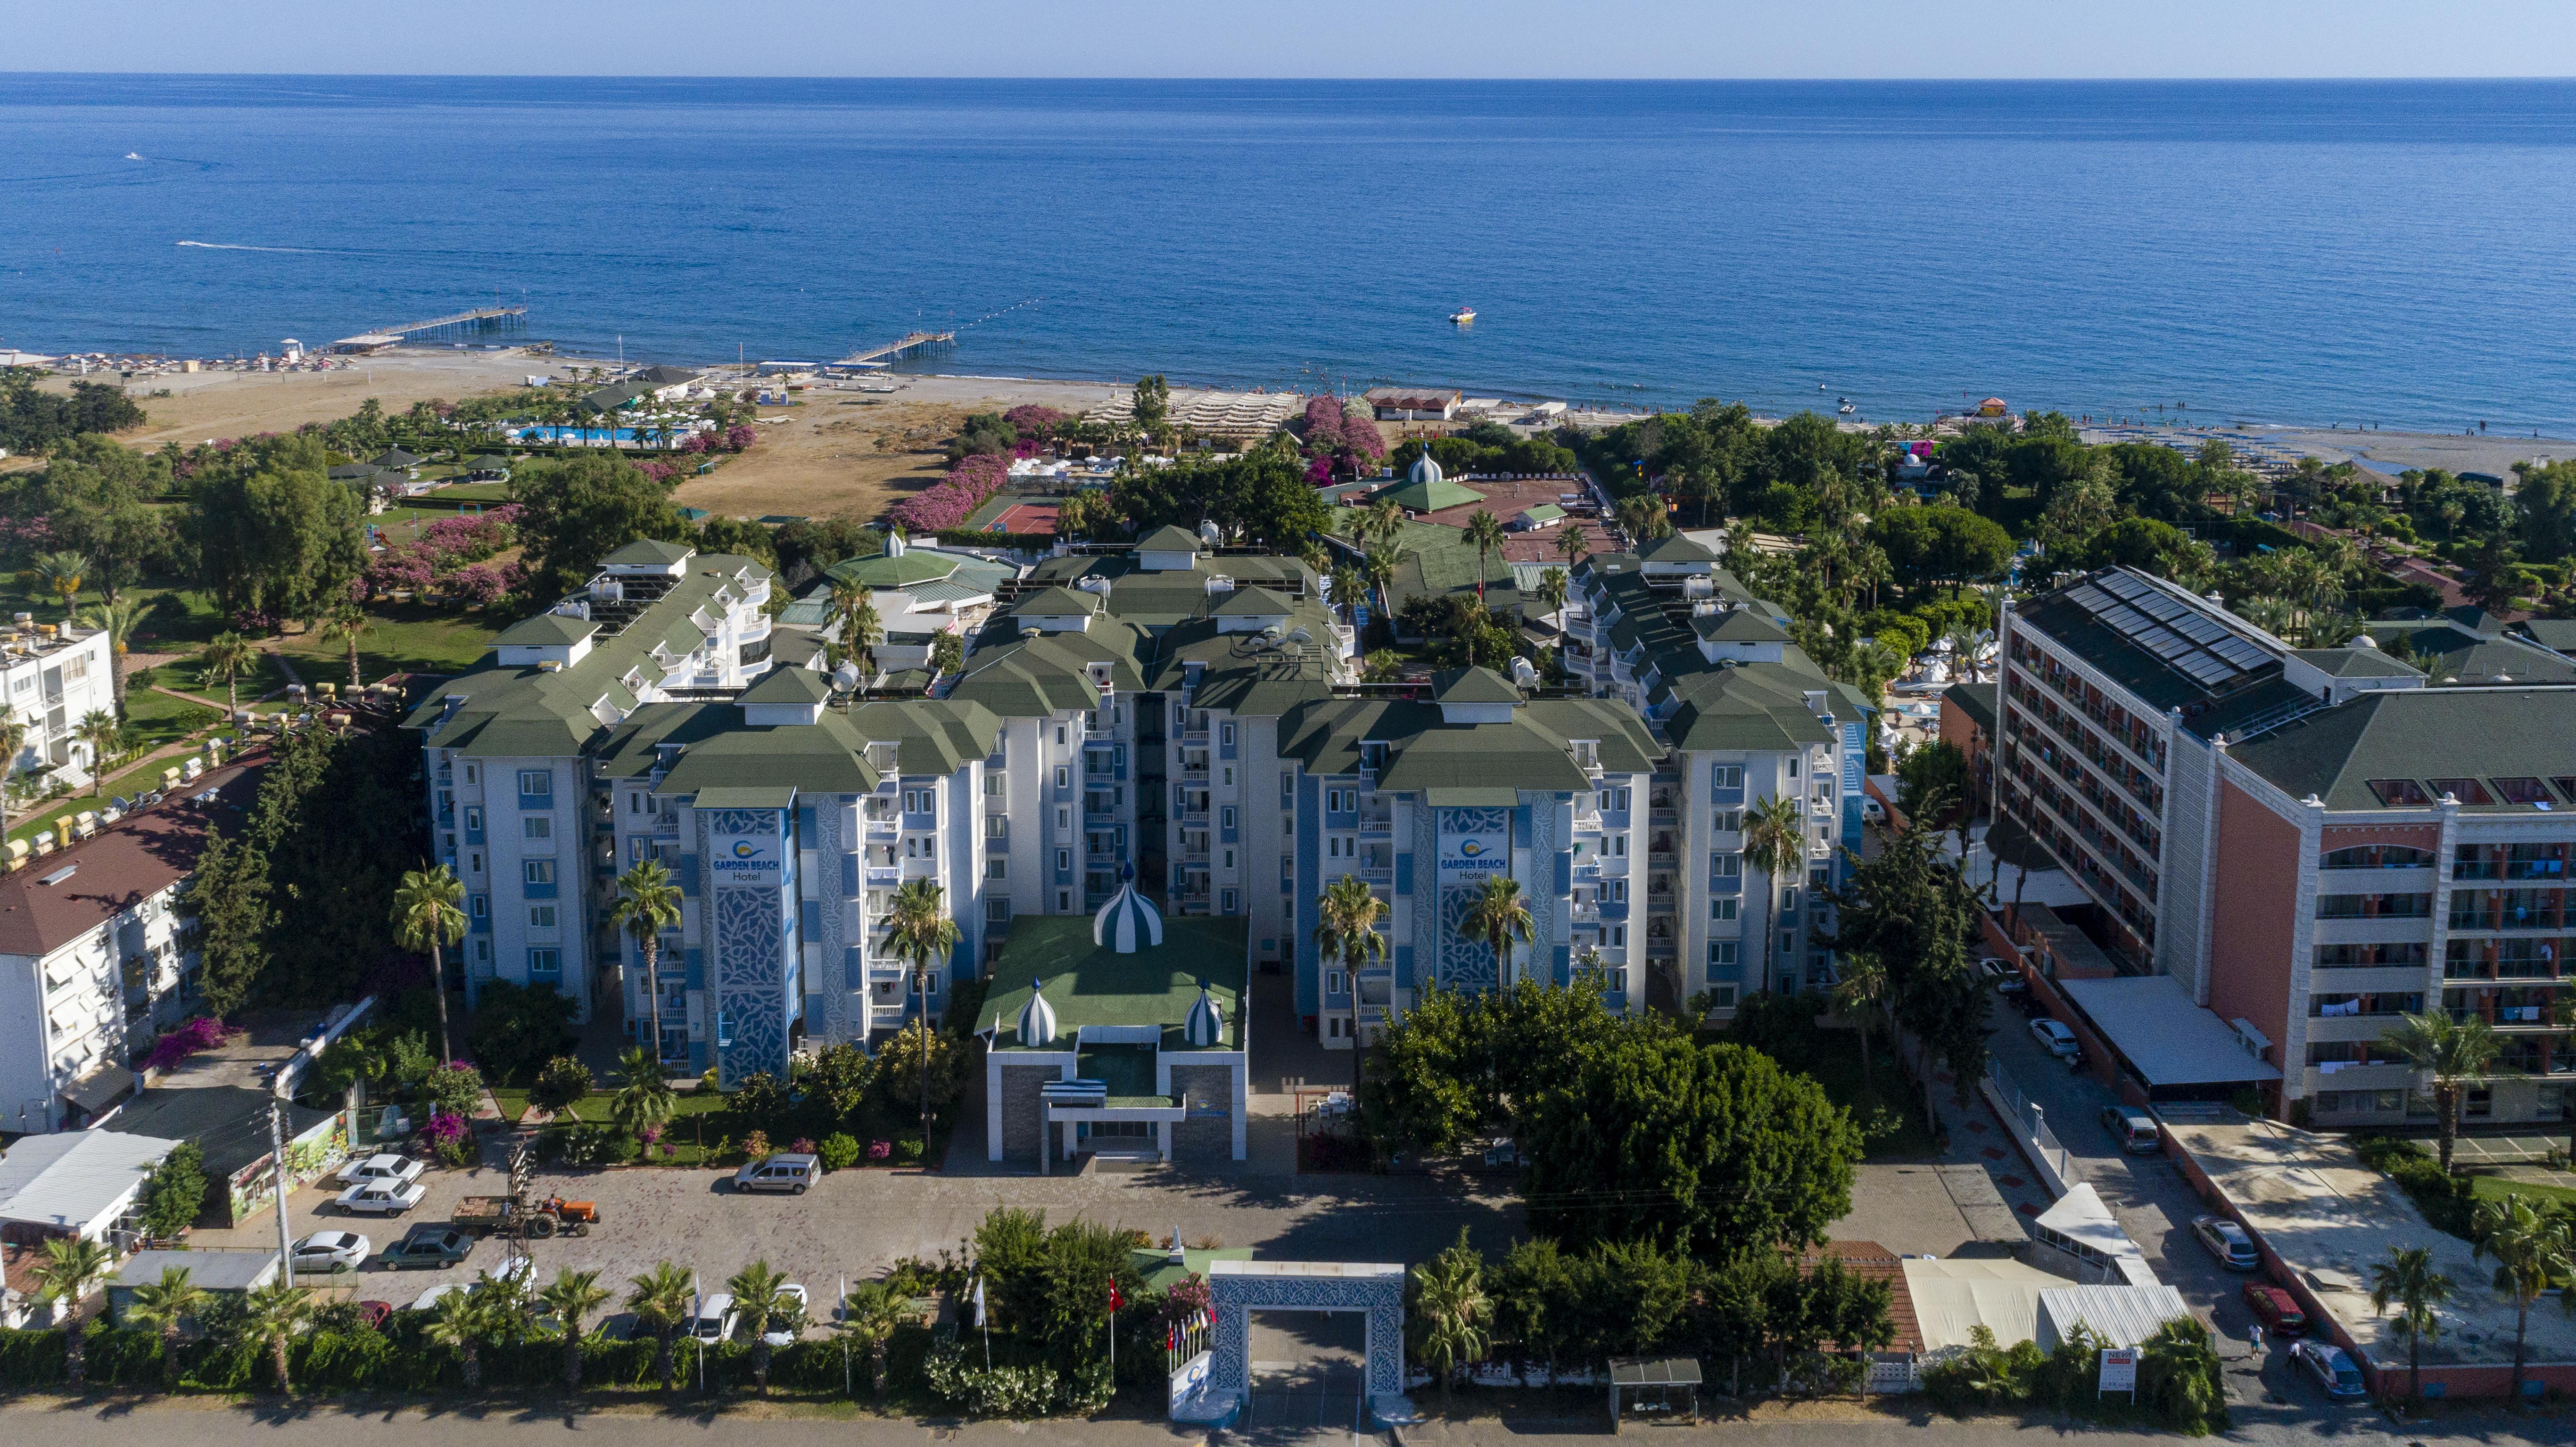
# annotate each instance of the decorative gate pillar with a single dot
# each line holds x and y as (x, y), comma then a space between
(1236, 1289)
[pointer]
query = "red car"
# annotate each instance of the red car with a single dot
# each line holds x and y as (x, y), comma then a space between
(377, 1312)
(2276, 1309)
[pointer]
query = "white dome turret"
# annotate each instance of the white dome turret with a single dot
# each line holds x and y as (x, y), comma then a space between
(1204, 1028)
(1424, 469)
(1037, 1018)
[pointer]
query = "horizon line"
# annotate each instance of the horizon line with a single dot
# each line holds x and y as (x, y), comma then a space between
(1910, 79)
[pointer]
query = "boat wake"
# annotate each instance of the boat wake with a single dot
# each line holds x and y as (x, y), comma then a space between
(228, 246)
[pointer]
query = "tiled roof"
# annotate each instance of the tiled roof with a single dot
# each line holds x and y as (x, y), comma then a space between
(128, 861)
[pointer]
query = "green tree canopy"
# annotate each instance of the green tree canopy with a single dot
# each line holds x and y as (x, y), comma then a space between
(581, 510)
(1934, 545)
(94, 497)
(272, 532)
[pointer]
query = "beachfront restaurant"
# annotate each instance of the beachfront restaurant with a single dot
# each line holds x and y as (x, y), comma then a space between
(1119, 1037)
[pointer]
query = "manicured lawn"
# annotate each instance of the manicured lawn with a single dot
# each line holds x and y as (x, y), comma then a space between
(407, 638)
(2497, 1188)
(163, 719)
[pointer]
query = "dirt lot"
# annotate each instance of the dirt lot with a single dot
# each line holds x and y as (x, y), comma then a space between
(207, 405)
(852, 454)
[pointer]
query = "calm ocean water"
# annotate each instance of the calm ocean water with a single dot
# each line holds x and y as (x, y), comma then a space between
(2396, 253)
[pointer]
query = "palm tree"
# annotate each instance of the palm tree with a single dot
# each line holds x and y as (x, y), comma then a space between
(1570, 543)
(2408, 1281)
(429, 914)
(274, 1314)
(1644, 518)
(72, 1265)
(117, 618)
(1485, 532)
(869, 1315)
(861, 629)
(644, 1098)
(572, 1296)
(160, 1306)
(62, 574)
(1344, 586)
(228, 656)
(1553, 585)
(662, 1299)
(2457, 1054)
(347, 622)
(13, 740)
(1856, 995)
(2532, 1255)
(1498, 915)
(1349, 930)
(460, 1322)
(98, 729)
(648, 903)
(922, 934)
(759, 1293)
(1449, 1301)
(1775, 842)
(1385, 520)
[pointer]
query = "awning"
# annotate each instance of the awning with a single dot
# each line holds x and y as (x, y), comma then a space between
(100, 1088)
(2167, 1038)
(1654, 1371)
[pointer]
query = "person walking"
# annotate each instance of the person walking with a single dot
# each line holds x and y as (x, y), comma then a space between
(2254, 1333)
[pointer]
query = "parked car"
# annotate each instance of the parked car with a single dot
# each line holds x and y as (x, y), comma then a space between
(380, 1168)
(1872, 811)
(377, 1313)
(715, 1319)
(517, 1269)
(332, 1251)
(2331, 1368)
(2054, 1038)
(369, 1198)
(429, 1244)
(784, 1325)
(2134, 1129)
(2227, 1241)
(1995, 970)
(786, 1171)
(2278, 1310)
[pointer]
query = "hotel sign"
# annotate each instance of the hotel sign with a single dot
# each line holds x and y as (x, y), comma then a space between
(746, 861)
(1467, 856)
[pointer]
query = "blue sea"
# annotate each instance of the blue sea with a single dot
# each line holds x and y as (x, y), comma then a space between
(2395, 253)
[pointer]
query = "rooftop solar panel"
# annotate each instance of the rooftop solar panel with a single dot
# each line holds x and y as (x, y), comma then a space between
(2243, 652)
(2206, 669)
(2088, 598)
(2202, 630)
(2123, 585)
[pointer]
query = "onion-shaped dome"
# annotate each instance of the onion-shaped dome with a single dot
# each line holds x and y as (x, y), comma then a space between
(1128, 922)
(1037, 1018)
(1204, 1027)
(846, 677)
(1423, 469)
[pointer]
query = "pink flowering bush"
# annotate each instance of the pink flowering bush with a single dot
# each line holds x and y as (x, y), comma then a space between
(1031, 418)
(947, 504)
(662, 472)
(696, 442)
(802, 1145)
(203, 1033)
(446, 1128)
(478, 586)
(880, 1149)
(1320, 469)
(741, 435)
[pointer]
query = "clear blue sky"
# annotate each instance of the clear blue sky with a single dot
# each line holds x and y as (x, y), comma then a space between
(2038, 39)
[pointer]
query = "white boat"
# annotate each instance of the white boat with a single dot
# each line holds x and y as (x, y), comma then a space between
(131, 156)
(1847, 409)
(1463, 315)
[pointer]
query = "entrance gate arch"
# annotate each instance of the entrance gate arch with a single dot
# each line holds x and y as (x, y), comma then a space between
(1236, 1289)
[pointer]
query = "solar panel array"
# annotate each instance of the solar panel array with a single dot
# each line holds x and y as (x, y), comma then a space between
(2191, 642)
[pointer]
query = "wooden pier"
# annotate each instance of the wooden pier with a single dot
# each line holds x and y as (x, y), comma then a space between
(909, 345)
(474, 320)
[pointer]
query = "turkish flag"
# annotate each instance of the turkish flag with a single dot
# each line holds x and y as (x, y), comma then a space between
(1115, 1300)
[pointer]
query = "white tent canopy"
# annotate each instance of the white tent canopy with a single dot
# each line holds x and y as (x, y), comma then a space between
(76, 1181)
(2120, 1316)
(1953, 1298)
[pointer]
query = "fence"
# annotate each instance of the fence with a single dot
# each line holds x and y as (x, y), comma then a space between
(2029, 1125)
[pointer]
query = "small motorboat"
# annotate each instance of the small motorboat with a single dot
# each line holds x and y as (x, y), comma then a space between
(1848, 408)
(1463, 315)
(131, 156)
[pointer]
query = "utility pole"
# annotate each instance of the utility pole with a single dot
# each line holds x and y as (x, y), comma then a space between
(277, 1173)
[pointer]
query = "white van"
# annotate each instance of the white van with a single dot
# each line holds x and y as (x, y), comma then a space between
(784, 1172)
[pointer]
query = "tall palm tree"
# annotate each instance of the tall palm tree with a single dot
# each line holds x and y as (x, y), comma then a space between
(160, 1306)
(1775, 842)
(1449, 1302)
(429, 915)
(97, 728)
(1571, 544)
(1498, 915)
(759, 1293)
(2532, 1255)
(2456, 1053)
(644, 1097)
(922, 935)
(662, 1299)
(228, 656)
(870, 1312)
(1378, 566)
(1385, 520)
(647, 903)
(274, 1314)
(861, 631)
(62, 573)
(1644, 518)
(571, 1297)
(1344, 586)
(1555, 584)
(71, 1266)
(460, 1323)
(2408, 1281)
(117, 618)
(348, 623)
(13, 740)
(1484, 532)
(1349, 931)
(1857, 993)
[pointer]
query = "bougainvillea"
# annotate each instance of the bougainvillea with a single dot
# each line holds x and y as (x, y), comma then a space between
(696, 442)
(446, 1128)
(1030, 418)
(203, 1033)
(659, 471)
(479, 585)
(741, 435)
(946, 505)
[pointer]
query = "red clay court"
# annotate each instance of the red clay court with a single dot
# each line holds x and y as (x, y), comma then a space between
(1027, 517)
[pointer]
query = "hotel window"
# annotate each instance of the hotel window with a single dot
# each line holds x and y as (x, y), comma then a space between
(479, 905)
(473, 816)
(1229, 776)
(1727, 776)
(1225, 817)
(1618, 936)
(1064, 776)
(1225, 734)
(997, 826)
(473, 774)
(997, 911)
(545, 962)
(1287, 789)
(474, 861)
(482, 952)
(1225, 901)
(1721, 909)
(1618, 891)
(537, 826)
(995, 785)
(1064, 859)
(1618, 846)
(536, 784)
(537, 871)
(997, 867)
(541, 916)
(1064, 901)
(1721, 997)
(1336, 983)
(2401, 794)
(1721, 952)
